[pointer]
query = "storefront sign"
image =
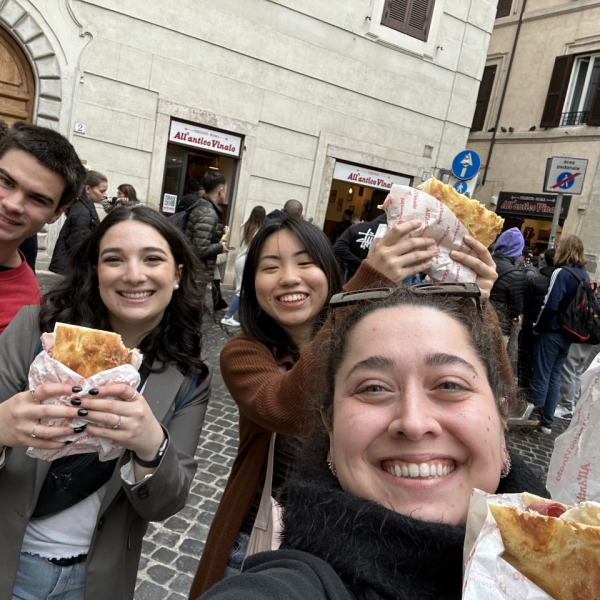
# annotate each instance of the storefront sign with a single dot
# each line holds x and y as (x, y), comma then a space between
(169, 203)
(531, 206)
(368, 177)
(205, 139)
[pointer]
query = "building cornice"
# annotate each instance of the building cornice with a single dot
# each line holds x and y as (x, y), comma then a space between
(545, 13)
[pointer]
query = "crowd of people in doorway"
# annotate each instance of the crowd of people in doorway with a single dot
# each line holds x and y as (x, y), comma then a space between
(365, 407)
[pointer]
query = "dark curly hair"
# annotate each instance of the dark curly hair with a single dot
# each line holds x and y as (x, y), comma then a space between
(76, 300)
(256, 323)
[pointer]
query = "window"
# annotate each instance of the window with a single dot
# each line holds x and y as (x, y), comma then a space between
(503, 9)
(412, 17)
(483, 98)
(574, 92)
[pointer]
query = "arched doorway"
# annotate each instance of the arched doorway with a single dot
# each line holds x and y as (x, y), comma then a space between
(17, 84)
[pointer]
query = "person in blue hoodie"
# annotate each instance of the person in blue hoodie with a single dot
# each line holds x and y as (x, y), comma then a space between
(552, 348)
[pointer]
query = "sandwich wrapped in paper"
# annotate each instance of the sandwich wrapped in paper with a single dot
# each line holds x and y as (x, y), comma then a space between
(524, 546)
(88, 358)
(447, 217)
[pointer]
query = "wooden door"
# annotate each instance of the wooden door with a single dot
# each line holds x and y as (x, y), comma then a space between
(17, 87)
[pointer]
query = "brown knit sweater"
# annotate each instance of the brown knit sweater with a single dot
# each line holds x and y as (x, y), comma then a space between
(269, 400)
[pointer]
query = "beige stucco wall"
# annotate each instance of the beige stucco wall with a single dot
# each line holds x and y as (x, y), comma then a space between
(550, 28)
(306, 82)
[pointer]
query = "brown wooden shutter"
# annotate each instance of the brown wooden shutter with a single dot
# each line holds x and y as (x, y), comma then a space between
(483, 98)
(594, 116)
(412, 17)
(394, 14)
(504, 8)
(557, 91)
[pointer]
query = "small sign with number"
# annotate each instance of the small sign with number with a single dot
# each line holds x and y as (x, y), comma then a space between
(79, 128)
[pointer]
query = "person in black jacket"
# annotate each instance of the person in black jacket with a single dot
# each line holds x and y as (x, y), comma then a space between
(82, 218)
(342, 225)
(352, 247)
(536, 289)
(379, 502)
(191, 197)
(507, 293)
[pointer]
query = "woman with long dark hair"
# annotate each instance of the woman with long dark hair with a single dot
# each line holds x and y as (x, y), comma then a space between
(82, 521)
(82, 218)
(289, 277)
(247, 233)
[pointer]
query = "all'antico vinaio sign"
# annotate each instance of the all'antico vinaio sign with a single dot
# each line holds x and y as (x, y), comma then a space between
(205, 139)
(368, 177)
(531, 206)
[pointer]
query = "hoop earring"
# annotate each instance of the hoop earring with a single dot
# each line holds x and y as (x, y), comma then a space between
(331, 465)
(505, 468)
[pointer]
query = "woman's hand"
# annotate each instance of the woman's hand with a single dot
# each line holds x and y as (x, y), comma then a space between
(399, 260)
(20, 418)
(483, 264)
(130, 423)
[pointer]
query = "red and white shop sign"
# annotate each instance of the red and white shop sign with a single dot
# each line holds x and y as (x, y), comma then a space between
(368, 177)
(206, 139)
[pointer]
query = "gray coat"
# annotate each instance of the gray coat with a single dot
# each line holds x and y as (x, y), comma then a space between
(204, 230)
(112, 562)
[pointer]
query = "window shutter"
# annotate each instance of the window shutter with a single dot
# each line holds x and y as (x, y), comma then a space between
(594, 116)
(557, 91)
(419, 18)
(412, 17)
(394, 14)
(504, 8)
(483, 98)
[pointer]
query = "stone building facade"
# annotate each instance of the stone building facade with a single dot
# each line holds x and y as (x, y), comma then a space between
(550, 106)
(280, 95)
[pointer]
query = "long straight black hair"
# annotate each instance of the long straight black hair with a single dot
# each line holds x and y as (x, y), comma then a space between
(256, 323)
(76, 299)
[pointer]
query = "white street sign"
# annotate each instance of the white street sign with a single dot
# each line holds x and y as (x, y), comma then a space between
(565, 175)
(169, 203)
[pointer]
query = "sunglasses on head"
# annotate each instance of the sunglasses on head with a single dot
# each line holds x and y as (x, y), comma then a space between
(452, 290)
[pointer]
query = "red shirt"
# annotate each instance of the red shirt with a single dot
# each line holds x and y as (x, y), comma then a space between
(18, 288)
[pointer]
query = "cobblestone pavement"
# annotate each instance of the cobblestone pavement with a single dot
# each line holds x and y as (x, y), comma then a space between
(171, 549)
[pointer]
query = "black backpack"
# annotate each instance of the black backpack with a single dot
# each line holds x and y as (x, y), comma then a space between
(180, 219)
(580, 319)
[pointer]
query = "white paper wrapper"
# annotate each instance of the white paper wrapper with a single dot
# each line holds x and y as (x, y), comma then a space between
(46, 370)
(486, 574)
(439, 223)
(574, 471)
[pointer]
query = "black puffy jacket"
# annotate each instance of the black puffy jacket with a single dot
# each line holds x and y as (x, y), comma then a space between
(204, 230)
(508, 291)
(535, 293)
(82, 218)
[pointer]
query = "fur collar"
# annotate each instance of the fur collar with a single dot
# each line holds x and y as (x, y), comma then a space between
(377, 552)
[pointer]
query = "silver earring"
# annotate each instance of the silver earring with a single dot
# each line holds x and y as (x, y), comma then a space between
(176, 286)
(505, 468)
(331, 466)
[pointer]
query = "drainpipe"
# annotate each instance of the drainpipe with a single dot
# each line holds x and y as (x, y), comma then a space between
(508, 71)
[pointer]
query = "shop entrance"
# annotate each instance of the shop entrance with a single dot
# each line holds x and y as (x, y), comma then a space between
(191, 155)
(360, 190)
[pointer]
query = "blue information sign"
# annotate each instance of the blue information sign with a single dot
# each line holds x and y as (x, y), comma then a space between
(466, 165)
(461, 187)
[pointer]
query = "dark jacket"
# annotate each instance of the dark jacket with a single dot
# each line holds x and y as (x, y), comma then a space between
(508, 291)
(560, 292)
(352, 247)
(188, 200)
(339, 229)
(340, 547)
(204, 230)
(275, 214)
(535, 292)
(81, 219)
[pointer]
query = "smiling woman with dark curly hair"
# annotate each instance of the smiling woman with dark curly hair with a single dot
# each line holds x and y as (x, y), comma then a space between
(82, 521)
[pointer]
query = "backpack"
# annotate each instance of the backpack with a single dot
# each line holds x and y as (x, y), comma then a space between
(580, 319)
(180, 219)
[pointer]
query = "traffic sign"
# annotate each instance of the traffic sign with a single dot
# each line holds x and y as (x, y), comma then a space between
(466, 165)
(564, 173)
(460, 187)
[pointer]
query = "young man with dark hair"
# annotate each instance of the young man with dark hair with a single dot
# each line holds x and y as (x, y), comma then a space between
(292, 208)
(204, 228)
(40, 177)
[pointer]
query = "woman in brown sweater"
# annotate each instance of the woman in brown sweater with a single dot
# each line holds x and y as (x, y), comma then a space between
(289, 276)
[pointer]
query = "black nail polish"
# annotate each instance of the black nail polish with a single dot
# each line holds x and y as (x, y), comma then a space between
(94, 392)
(76, 389)
(75, 401)
(79, 429)
(82, 412)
